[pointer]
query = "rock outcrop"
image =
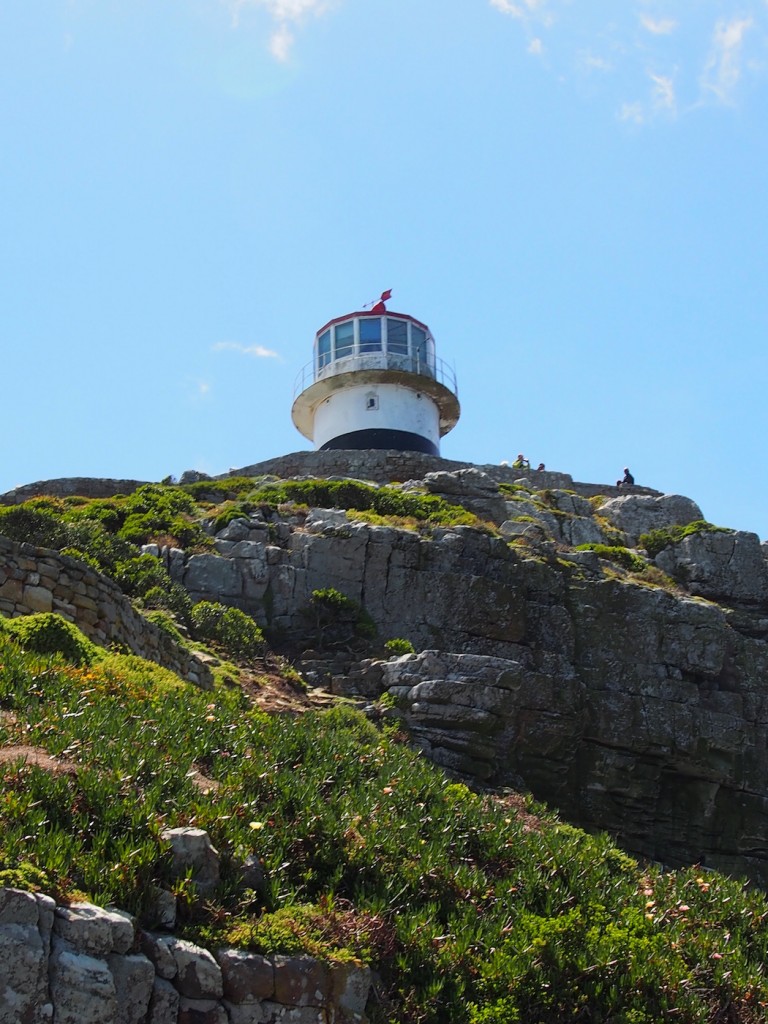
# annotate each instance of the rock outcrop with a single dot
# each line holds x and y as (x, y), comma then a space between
(621, 697)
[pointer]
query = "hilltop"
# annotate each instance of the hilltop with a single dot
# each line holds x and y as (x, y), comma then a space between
(597, 648)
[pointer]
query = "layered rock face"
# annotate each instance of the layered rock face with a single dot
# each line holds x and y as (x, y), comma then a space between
(634, 701)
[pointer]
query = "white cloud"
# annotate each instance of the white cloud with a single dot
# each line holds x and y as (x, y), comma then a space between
(723, 68)
(667, 57)
(257, 351)
(662, 27)
(520, 8)
(632, 112)
(281, 42)
(285, 14)
(593, 63)
(662, 100)
(663, 93)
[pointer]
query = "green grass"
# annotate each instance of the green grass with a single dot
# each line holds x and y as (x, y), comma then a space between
(656, 540)
(616, 553)
(474, 909)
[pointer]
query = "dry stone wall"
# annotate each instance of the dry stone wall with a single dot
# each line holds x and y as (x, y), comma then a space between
(82, 964)
(40, 580)
(83, 487)
(384, 467)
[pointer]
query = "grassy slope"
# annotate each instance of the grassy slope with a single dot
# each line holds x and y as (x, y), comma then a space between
(369, 851)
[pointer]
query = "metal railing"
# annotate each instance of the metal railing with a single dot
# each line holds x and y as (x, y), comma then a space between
(437, 369)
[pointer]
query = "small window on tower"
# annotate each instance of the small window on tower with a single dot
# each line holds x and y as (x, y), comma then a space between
(371, 401)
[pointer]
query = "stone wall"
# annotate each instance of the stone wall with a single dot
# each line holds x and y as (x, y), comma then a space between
(40, 580)
(81, 964)
(64, 487)
(384, 467)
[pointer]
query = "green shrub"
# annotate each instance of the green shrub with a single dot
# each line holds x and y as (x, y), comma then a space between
(109, 513)
(656, 540)
(155, 510)
(219, 490)
(622, 556)
(229, 627)
(397, 645)
(81, 556)
(361, 497)
(48, 633)
(33, 526)
(164, 621)
(174, 599)
(136, 576)
(241, 510)
(337, 619)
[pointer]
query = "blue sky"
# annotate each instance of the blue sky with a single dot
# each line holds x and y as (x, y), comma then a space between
(571, 194)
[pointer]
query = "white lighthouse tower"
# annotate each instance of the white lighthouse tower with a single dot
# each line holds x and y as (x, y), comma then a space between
(375, 382)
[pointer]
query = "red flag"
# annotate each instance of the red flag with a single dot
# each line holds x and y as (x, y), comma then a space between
(386, 295)
(379, 307)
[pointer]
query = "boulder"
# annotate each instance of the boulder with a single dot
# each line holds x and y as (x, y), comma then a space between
(635, 514)
(193, 849)
(723, 565)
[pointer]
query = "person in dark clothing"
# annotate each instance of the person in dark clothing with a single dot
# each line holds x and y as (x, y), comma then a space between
(627, 481)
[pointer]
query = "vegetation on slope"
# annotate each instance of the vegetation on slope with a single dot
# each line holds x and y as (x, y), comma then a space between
(473, 909)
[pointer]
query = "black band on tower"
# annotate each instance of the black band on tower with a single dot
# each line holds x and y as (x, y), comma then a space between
(396, 440)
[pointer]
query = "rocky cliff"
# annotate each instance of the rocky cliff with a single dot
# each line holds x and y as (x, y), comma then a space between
(622, 680)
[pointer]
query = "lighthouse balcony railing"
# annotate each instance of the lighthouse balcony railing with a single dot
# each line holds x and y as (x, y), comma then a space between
(434, 368)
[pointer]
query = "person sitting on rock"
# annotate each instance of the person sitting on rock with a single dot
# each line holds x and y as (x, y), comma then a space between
(540, 468)
(627, 481)
(521, 463)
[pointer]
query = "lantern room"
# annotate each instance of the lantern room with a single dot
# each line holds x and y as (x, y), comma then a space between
(375, 382)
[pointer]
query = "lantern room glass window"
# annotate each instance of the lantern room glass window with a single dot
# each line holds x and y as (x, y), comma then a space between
(370, 335)
(323, 349)
(419, 345)
(345, 339)
(397, 337)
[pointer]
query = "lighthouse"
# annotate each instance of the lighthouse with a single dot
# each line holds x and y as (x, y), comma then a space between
(375, 382)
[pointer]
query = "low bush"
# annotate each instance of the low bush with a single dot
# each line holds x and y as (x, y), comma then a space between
(614, 553)
(657, 540)
(228, 627)
(336, 619)
(48, 633)
(361, 497)
(174, 599)
(399, 646)
(137, 576)
(30, 525)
